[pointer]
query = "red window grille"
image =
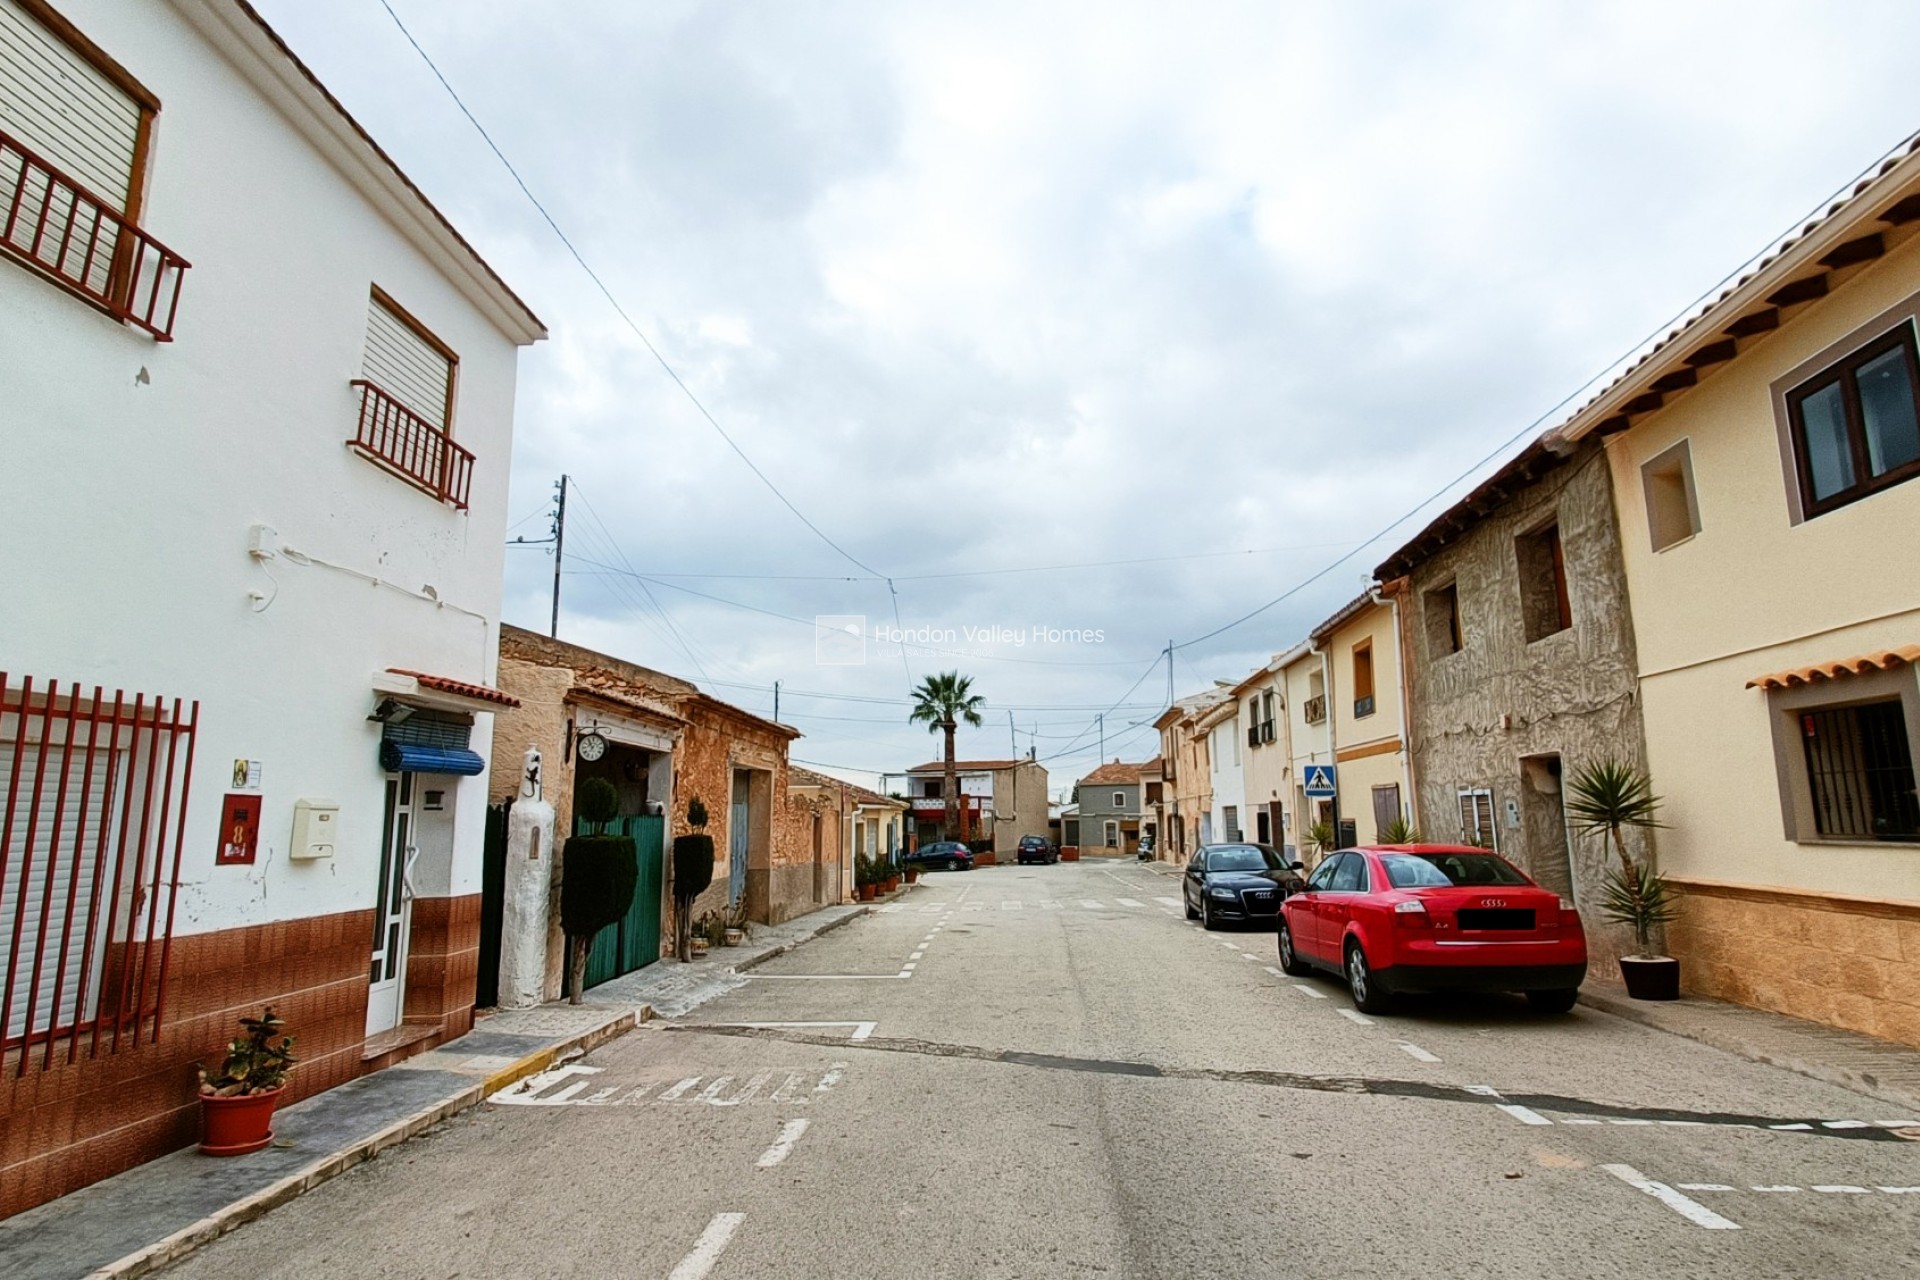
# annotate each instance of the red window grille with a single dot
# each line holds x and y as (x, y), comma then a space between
(60, 229)
(93, 811)
(401, 441)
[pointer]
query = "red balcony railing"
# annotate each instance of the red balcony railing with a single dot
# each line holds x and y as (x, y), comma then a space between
(412, 448)
(59, 228)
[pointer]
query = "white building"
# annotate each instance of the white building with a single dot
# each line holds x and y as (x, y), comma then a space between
(260, 499)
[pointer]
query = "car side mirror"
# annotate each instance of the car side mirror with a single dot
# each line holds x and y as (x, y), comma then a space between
(1296, 866)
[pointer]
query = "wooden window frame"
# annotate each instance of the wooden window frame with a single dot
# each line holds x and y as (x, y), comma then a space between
(56, 22)
(384, 299)
(1362, 658)
(1842, 373)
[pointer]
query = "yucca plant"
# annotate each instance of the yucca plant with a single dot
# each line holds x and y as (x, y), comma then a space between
(1400, 831)
(1606, 797)
(1322, 837)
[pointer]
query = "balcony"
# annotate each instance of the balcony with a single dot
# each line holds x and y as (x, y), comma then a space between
(398, 440)
(58, 228)
(1315, 709)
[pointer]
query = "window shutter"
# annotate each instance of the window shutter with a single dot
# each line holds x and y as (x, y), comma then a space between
(60, 105)
(402, 363)
(70, 867)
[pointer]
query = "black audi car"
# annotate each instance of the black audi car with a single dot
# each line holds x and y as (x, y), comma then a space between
(1243, 882)
(941, 855)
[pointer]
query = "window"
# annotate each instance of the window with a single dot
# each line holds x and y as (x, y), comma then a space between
(1322, 877)
(1673, 509)
(1350, 876)
(1856, 426)
(1119, 799)
(92, 805)
(1112, 837)
(932, 788)
(1363, 679)
(74, 128)
(1476, 818)
(406, 407)
(1153, 793)
(1442, 609)
(1544, 607)
(1386, 808)
(1860, 772)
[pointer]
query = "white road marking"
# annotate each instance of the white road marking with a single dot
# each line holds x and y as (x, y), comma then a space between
(1049, 904)
(907, 967)
(783, 1146)
(1356, 1017)
(785, 1092)
(1168, 902)
(1844, 1124)
(1248, 956)
(1415, 1052)
(1844, 1190)
(916, 955)
(1129, 902)
(1780, 1188)
(712, 1091)
(1275, 972)
(1309, 991)
(1231, 946)
(1901, 1191)
(832, 1077)
(1012, 906)
(1692, 1210)
(1090, 904)
(1630, 1121)
(889, 908)
(1703, 1186)
(708, 1248)
(1789, 1126)
(599, 1097)
(1525, 1115)
(674, 1093)
(754, 1086)
(526, 1093)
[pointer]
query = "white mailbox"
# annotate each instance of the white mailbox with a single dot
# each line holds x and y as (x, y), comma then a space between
(315, 824)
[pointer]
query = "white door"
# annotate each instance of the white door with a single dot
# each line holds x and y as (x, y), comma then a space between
(393, 908)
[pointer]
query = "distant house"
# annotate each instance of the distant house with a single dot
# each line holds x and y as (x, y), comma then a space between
(1186, 774)
(1359, 653)
(1266, 773)
(1111, 803)
(1000, 800)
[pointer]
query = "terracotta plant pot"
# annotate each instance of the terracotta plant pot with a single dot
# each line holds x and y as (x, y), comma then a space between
(1651, 977)
(697, 948)
(234, 1126)
(867, 892)
(893, 882)
(736, 936)
(913, 875)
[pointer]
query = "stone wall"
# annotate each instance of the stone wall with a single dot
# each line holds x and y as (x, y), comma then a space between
(1847, 962)
(1499, 713)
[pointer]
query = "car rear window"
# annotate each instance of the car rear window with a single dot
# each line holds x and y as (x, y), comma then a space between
(1438, 870)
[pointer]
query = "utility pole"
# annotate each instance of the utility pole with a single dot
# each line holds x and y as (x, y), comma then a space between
(1169, 672)
(776, 702)
(559, 546)
(1102, 719)
(1013, 738)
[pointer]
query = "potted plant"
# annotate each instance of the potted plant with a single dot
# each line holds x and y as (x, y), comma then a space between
(738, 928)
(1608, 796)
(713, 927)
(692, 873)
(1400, 831)
(598, 874)
(912, 874)
(864, 879)
(236, 1106)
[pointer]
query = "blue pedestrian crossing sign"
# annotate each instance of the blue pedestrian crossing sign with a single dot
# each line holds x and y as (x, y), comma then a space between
(1319, 781)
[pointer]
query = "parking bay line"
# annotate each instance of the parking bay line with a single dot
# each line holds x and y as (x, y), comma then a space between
(783, 1146)
(1415, 1052)
(1355, 1017)
(1309, 991)
(1687, 1207)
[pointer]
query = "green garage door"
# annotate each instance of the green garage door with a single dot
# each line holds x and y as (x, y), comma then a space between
(634, 943)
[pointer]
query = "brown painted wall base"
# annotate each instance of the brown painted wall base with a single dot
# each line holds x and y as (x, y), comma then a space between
(1845, 962)
(64, 1128)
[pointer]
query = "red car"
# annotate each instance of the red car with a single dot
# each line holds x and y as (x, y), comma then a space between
(1433, 917)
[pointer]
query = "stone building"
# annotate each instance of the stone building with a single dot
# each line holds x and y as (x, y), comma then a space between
(1000, 800)
(663, 743)
(1514, 622)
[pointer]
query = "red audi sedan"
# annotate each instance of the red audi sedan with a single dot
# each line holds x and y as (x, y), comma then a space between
(1433, 917)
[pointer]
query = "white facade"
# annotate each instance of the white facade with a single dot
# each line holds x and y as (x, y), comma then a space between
(136, 471)
(1227, 754)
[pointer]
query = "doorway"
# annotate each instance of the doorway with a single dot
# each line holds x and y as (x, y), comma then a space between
(1543, 821)
(393, 907)
(739, 837)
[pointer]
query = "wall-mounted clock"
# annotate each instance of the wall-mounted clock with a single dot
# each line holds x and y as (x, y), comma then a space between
(591, 746)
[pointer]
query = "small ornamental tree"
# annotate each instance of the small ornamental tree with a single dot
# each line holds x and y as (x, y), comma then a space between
(692, 873)
(1605, 798)
(255, 1063)
(598, 875)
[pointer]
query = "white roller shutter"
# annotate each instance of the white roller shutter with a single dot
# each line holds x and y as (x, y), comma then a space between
(70, 867)
(405, 365)
(60, 105)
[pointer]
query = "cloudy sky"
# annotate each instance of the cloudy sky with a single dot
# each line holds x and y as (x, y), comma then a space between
(1219, 290)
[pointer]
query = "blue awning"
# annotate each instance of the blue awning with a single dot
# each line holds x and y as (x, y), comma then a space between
(400, 757)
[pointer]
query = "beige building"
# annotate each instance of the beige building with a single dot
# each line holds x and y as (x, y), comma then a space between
(1303, 686)
(1359, 653)
(1186, 768)
(1000, 800)
(1266, 772)
(1761, 456)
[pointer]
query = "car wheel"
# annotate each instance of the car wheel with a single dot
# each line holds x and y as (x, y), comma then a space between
(953, 864)
(1206, 914)
(1559, 1001)
(1290, 962)
(1362, 985)
(1191, 913)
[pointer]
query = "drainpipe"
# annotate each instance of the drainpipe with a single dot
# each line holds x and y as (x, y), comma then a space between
(1401, 648)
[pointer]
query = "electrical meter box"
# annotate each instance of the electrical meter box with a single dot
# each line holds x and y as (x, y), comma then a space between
(316, 823)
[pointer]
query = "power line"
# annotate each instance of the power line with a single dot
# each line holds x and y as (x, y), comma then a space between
(614, 302)
(607, 534)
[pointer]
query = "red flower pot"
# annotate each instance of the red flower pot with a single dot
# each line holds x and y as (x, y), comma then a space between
(867, 891)
(237, 1125)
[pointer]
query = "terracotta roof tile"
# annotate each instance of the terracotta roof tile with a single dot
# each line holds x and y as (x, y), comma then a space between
(1878, 660)
(447, 684)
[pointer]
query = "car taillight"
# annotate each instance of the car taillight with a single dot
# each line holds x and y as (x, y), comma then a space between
(1411, 914)
(1569, 913)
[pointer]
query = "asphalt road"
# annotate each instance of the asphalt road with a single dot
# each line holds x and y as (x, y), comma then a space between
(1048, 1072)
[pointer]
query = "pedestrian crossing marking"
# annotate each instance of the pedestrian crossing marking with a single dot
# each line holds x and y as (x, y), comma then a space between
(781, 1086)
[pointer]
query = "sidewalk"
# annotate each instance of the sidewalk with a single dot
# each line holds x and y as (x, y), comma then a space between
(1878, 1068)
(150, 1216)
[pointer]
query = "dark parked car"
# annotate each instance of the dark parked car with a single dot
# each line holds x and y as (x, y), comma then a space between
(1035, 849)
(1244, 882)
(941, 855)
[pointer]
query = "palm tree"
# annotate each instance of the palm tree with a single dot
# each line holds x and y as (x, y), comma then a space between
(1606, 797)
(941, 702)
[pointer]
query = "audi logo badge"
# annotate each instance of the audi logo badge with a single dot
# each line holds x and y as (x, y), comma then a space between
(1493, 902)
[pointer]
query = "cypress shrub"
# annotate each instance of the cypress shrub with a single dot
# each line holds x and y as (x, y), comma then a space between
(599, 873)
(692, 874)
